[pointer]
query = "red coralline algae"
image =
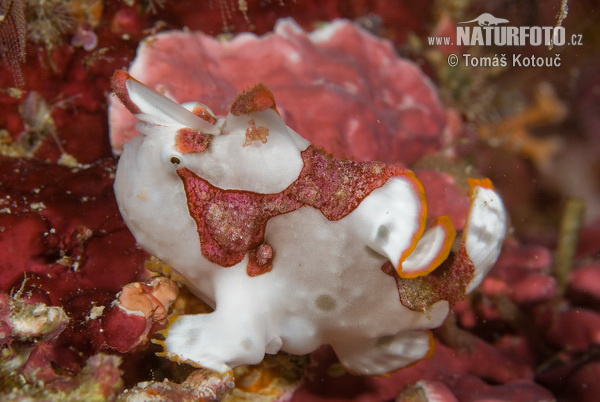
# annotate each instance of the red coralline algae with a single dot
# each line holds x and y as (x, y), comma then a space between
(67, 239)
(140, 310)
(457, 368)
(534, 289)
(127, 21)
(472, 389)
(585, 282)
(576, 329)
(583, 385)
(494, 287)
(66, 218)
(518, 261)
(125, 329)
(232, 222)
(189, 140)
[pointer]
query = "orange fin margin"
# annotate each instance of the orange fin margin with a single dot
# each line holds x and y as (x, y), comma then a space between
(422, 217)
(446, 224)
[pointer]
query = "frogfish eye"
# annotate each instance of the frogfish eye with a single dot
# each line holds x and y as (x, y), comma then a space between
(171, 159)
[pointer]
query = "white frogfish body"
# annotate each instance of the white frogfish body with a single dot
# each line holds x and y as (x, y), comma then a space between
(292, 248)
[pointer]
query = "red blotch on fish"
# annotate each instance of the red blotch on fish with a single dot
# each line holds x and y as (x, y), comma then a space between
(191, 141)
(230, 223)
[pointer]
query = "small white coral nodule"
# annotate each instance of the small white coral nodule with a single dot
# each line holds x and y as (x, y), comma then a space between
(293, 248)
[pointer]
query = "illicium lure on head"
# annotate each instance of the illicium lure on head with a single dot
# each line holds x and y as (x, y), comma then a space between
(292, 248)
